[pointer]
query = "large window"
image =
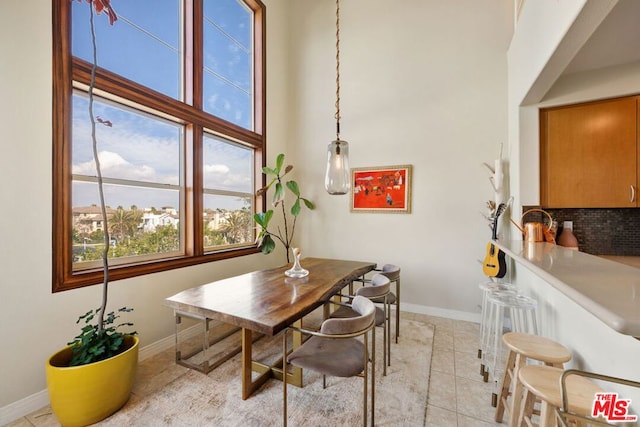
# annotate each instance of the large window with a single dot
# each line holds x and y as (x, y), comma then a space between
(179, 111)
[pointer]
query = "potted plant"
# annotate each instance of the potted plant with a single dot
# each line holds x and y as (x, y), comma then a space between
(92, 377)
(265, 238)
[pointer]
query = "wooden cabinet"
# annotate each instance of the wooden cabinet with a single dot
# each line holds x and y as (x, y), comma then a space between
(589, 154)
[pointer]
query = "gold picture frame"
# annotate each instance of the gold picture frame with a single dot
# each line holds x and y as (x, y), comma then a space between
(384, 189)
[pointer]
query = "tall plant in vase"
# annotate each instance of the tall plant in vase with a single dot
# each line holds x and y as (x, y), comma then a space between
(101, 339)
(92, 377)
(284, 234)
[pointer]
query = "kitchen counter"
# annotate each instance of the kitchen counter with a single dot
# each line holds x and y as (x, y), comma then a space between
(633, 261)
(607, 289)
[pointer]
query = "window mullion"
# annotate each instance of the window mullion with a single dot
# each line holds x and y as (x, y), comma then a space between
(193, 77)
(195, 197)
(259, 71)
(188, 50)
(196, 74)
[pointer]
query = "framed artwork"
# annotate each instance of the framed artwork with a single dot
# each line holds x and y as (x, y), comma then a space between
(384, 189)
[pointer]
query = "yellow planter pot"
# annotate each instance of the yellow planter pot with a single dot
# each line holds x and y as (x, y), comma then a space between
(83, 395)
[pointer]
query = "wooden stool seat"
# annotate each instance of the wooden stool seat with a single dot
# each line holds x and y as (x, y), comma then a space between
(543, 383)
(521, 347)
(536, 347)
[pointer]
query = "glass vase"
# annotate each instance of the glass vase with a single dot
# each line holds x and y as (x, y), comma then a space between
(296, 270)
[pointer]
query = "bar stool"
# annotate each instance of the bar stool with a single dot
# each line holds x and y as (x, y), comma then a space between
(565, 416)
(521, 347)
(543, 383)
(487, 288)
(522, 313)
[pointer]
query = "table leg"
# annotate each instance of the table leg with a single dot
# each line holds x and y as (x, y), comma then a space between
(295, 375)
(207, 365)
(249, 385)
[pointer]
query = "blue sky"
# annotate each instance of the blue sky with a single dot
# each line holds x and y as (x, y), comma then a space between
(145, 45)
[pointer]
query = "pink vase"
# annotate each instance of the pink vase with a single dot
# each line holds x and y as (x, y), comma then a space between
(568, 239)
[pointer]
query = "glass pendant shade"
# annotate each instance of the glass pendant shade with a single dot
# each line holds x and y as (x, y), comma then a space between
(337, 179)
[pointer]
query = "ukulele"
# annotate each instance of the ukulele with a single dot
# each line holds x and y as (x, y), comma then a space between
(494, 264)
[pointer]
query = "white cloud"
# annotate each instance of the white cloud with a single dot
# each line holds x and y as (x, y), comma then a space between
(221, 176)
(115, 166)
(216, 169)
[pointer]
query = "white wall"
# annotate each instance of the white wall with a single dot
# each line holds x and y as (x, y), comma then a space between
(35, 323)
(423, 83)
(610, 82)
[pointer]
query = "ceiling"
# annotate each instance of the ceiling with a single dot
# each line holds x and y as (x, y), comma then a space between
(616, 41)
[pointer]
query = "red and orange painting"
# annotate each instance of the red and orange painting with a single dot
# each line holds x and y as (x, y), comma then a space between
(383, 189)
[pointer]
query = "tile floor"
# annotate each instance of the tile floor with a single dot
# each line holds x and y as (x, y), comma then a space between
(457, 395)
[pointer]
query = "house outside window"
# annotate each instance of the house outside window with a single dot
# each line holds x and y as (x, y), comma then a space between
(179, 107)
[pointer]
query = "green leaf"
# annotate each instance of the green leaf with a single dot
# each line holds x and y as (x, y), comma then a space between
(263, 218)
(268, 171)
(278, 194)
(93, 345)
(268, 216)
(258, 217)
(308, 203)
(259, 238)
(279, 162)
(295, 208)
(293, 186)
(266, 187)
(268, 245)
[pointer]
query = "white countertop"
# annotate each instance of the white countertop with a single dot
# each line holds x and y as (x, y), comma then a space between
(633, 261)
(607, 289)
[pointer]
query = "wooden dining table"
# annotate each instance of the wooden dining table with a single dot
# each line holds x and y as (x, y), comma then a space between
(267, 302)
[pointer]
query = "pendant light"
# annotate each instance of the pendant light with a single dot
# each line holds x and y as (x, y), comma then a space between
(337, 179)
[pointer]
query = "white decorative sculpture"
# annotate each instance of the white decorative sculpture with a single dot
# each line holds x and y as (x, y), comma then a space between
(497, 178)
(296, 270)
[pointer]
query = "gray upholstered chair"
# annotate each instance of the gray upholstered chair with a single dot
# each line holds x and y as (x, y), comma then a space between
(393, 273)
(378, 292)
(335, 351)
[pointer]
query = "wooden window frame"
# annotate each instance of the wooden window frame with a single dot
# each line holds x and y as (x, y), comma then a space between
(67, 70)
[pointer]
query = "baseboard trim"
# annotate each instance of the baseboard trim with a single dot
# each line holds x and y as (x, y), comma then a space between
(22, 407)
(441, 312)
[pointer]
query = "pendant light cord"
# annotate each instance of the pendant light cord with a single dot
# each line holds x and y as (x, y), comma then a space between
(337, 115)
